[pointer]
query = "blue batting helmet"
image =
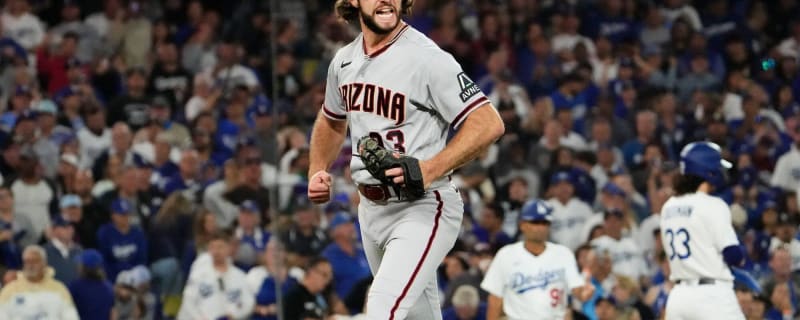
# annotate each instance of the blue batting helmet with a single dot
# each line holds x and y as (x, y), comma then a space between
(704, 159)
(536, 210)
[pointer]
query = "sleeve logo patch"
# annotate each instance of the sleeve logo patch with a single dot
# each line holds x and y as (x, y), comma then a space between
(468, 88)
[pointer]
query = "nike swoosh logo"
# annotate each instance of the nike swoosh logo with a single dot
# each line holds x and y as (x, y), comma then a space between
(344, 64)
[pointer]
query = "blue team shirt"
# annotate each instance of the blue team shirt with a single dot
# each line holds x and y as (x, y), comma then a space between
(347, 270)
(121, 251)
(266, 294)
(93, 298)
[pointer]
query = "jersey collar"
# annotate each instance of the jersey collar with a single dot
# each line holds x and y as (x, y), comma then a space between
(389, 44)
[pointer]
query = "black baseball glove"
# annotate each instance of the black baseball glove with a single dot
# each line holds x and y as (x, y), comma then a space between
(378, 159)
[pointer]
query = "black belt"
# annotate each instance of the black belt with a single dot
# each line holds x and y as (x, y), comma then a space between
(701, 281)
(376, 192)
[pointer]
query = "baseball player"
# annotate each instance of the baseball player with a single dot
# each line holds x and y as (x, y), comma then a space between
(699, 239)
(396, 86)
(530, 279)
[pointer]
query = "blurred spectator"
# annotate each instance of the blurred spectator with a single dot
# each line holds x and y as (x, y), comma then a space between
(606, 309)
(49, 129)
(456, 273)
(22, 26)
(347, 259)
(168, 78)
(227, 72)
(569, 213)
(213, 199)
(34, 197)
(127, 304)
(682, 9)
(251, 236)
(123, 245)
(626, 256)
(780, 262)
(217, 289)
(787, 170)
(12, 227)
(35, 293)
(633, 150)
(308, 299)
(204, 97)
(62, 251)
(275, 272)
(305, 239)
(131, 107)
(466, 305)
(187, 177)
(489, 227)
(132, 33)
(627, 294)
(92, 293)
(53, 65)
(785, 232)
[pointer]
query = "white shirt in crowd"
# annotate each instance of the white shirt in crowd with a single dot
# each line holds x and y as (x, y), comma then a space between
(25, 29)
(92, 145)
(626, 256)
(787, 171)
(533, 287)
(211, 295)
(567, 218)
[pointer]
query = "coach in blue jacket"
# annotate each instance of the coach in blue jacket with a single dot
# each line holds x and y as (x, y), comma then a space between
(122, 245)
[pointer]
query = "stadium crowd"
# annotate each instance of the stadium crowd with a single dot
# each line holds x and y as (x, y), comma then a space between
(154, 153)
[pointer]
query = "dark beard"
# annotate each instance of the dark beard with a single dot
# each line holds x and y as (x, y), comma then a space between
(373, 26)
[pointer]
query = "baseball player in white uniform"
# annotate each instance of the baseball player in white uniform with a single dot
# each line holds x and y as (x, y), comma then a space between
(395, 85)
(699, 239)
(530, 279)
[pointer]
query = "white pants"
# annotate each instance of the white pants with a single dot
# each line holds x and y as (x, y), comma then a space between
(703, 302)
(405, 242)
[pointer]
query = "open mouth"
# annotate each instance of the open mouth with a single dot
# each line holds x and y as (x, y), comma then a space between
(385, 13)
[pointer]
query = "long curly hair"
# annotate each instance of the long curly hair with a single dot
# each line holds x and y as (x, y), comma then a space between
(349, 13)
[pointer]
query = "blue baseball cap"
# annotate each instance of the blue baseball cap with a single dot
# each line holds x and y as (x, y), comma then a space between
(340, 218)
(536, 210)
(263, 110)
(614, 189)
(120, 206)
(562, 176)
(249, 206)
(91, 259)
(70, 200)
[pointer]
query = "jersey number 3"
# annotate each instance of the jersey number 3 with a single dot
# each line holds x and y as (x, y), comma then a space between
(681, 236)
(393, 136)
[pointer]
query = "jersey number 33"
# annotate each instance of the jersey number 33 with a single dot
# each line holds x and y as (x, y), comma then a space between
(678, 244)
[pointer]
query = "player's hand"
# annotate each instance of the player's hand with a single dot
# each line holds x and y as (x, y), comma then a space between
(587, 291)
(319, 187)
(398, 178)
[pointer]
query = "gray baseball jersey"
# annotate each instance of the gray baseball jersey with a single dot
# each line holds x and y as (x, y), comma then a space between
(407, 94)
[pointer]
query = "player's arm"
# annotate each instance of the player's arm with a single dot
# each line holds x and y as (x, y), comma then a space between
(329, 132)
(326, 142)
(725, 238)
(481, 128)
(494, 307)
